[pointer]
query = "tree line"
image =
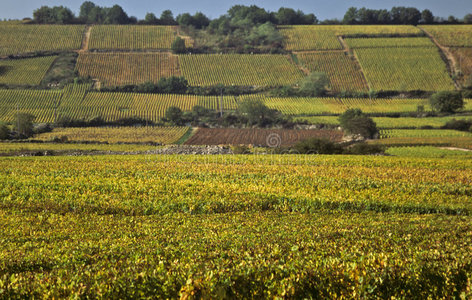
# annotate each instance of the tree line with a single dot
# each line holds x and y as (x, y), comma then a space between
(237, 16)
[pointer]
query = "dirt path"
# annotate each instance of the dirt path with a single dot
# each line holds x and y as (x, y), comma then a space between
(344, 44)
(455, 149)
(85, 41)
(452, 64)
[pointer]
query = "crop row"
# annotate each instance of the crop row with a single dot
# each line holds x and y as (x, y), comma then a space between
(117, 69)
(407, 133)
(129, 37)
(325, 37)
(147, 134)
(428, 151)
(16, 39)
(451, 35)
(404, 69)
(40, 103)
(239, 69)
(25, 71)
(344, 72)
(389, 42)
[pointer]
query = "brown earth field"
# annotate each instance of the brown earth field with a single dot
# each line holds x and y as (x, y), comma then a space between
(258, 137)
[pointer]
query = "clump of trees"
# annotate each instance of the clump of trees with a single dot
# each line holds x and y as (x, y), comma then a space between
(447, 101)
(354, 121)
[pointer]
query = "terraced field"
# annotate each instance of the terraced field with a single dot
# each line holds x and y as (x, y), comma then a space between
(259, 137)
(25, 71)
(331, 63)
(451, 35)
(40, 103)
(404, 69)
(17, 39)
(356, 43)
(116, 69)
(162, 135)
(133, 37)
(239, 69)
(325, 37)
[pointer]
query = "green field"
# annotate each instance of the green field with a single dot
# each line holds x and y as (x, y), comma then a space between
(451, 35)
(239, 69)
(356, 43)
(40, 103)
(17, 39)
(239, 227)
(404, 69)
(132, 37)
(419, 133)
(349, 79)
(25, 71)
(116, 69)
(428, 152)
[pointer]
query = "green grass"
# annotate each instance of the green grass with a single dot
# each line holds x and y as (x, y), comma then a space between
(428, 152)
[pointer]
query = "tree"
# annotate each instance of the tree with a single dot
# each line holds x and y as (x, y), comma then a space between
(151, 19)
(427, 17)
(178, 46)
(314, 85)
(351, 16)
(468, 19)
(317, 146)
(64, 15)
(354, 121)
(172, 85)
(23, 124)
(4, 131)
(86, 9)
(174, 115)
(447, 102)
(167, 18)
(116, 15)
(257, 113)
(452, 20)
(287, 16)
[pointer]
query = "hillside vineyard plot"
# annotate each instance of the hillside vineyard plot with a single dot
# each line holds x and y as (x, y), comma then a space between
(389, 42)
(25, 71)
(451, 35)
(133, 37)
(343, 71)
(463, 58)
(261, 137)
(147, 134)
(244, 227)
(239, 69)
(40, 103)
(404, 69)
(115, 69)
(17, 39)
(325, 37)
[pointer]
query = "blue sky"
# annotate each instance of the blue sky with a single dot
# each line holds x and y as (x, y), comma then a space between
(323, 9)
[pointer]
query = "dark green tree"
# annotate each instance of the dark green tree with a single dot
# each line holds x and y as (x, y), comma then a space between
(151, 19)
(354, 121)
(447, 102)
(468, 19)
(116, 15)
(23, 124)
(4, 131)
(85, 10)
(257, 113)
(167, 18)
(178, 46)
(427, 17)
(175, 116)
(314, 85)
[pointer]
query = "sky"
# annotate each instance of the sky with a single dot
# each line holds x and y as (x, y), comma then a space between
(323, 9)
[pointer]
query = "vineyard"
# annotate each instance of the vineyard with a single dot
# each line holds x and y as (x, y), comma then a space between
(325, 37)
(428, 152)
(242, 227)
(420, 133)
(404, 69)
(356, 43)
(463, 57)
(25, 71)
(463, 142)
(17, 39)
(349, 79)
(162, 135)
(320, 106)
(239, 69)
(451, 35)
(261, 137)
(391, 123)
(9, 148)
(115, 69)
(40, 103)
(132, 37)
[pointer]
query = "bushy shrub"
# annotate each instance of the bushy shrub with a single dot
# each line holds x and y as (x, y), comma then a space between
(317, 146)
(354, 121)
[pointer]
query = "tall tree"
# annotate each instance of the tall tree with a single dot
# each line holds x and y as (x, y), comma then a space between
(116, 15)
(167, 18)
(86, 9)
(427, 17)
